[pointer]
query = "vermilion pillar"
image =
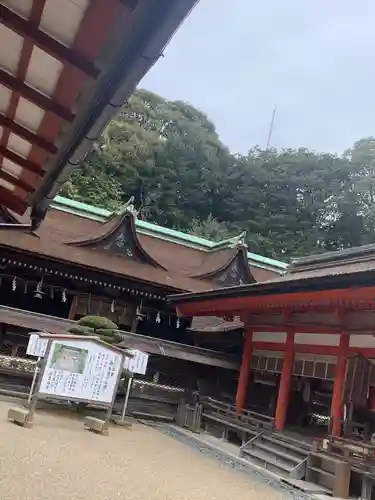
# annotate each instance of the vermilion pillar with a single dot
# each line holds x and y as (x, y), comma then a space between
(337, 405)
(285, 382)
(243, 381)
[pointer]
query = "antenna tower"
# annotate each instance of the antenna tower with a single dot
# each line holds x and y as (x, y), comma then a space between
(271, 129)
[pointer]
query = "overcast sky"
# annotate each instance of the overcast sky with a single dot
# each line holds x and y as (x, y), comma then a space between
(315, 59)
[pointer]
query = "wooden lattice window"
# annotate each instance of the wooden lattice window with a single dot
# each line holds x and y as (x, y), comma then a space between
(304, 366)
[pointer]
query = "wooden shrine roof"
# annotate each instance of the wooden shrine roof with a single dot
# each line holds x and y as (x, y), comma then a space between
(91, 244)
(66, 66)
(337, 279)
(214, 324)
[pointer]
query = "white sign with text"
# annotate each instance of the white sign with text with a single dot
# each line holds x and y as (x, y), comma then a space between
(37, 346)
(82, 370)
(136, 364)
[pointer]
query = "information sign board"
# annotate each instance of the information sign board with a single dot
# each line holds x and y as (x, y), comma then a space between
(137, 363)
(37, 346)
(81, 370)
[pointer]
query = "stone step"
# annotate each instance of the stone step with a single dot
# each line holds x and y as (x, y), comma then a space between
(274, 450)
(293, 441)
(302, 452)
(231, 423)
(267, 461)
(96, 425)
(322, 471)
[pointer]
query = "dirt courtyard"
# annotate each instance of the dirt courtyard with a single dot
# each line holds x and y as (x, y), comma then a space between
(58, 460)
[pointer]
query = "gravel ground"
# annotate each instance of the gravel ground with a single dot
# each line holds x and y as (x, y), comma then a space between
(58, 460)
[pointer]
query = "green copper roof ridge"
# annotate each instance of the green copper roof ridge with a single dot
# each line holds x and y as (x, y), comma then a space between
(230, 242)
(61, 201)
(281, 266)
(203, 242)
(267, 260)
(100, 214)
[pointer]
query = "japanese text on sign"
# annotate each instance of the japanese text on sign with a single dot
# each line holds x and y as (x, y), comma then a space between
(36, 346)
(137, 363)
(81, 370)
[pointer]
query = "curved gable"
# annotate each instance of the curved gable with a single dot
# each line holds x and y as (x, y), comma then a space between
(228, 267)
(118, 236)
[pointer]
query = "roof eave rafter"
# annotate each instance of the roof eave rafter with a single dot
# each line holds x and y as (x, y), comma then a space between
(32, 95)
(126, 47)
(136, 55)
(26, 134)
(28, 29)
(16, 181)
(19, 160)
(12, 201)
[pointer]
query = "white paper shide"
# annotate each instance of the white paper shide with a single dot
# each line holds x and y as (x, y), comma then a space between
(81, 370)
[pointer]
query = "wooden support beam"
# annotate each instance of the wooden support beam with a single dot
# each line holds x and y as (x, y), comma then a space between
(35, 97)
(26, 134)
(243, 380)
(8, 199)
(19, 160)
(73, 308)
(337, 405)
(221, 303)
(285, 383)
(16, 181)
(300, 328)
(30, 30)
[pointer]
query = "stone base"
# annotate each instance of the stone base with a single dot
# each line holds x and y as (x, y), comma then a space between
(95, 425)
(19, 417)
(127, 422)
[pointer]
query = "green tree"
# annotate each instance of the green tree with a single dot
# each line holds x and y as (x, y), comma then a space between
(290, 202)
(362, 159)
(166, 154)
(210, 229)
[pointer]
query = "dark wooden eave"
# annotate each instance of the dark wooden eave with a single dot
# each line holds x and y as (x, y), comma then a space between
(92, 63)
(284, 285)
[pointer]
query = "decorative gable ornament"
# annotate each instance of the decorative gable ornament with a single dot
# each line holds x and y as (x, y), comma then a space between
(120, 243)
(118, 234)
(235, 274)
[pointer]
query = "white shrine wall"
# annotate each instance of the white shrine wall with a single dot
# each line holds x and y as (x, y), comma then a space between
(314, 343)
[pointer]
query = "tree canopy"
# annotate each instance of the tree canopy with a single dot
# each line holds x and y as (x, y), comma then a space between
(168, 155)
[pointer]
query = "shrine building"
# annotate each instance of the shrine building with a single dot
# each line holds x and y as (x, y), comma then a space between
(86, 260)
(302, 331)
